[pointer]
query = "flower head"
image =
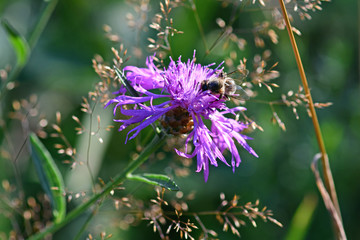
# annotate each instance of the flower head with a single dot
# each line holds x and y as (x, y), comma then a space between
(185, 107)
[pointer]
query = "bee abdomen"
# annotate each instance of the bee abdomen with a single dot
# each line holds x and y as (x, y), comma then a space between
(214, 86)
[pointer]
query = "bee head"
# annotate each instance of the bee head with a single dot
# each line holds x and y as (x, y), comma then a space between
(204, 85)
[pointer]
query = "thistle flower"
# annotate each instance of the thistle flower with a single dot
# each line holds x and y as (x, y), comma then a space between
(184, 110)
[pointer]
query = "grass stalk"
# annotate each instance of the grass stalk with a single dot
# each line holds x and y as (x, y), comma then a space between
(88, 220)
(328, 178)
(88, 148)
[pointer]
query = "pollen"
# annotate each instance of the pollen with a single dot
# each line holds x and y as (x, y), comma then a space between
(177, 121)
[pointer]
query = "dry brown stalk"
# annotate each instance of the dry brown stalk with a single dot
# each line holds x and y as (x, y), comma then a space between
(329, 181)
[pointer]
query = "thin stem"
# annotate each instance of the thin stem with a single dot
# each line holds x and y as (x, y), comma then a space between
(167, 42)
(155, 144)
(14, 159)
(204, 229)
(41, 23)
(327, 201)
(88, 220)
(226, 31)
(198, 22)
(88, 148)
(329, 181)
(6, 205)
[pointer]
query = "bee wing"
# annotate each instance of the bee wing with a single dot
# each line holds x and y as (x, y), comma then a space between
(240, 94)
(239, 74)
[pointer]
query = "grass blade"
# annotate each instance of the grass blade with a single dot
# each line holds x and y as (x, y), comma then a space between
(155, 179)
(125, 82)
(50, 177)
(302, 218)
(18, 42)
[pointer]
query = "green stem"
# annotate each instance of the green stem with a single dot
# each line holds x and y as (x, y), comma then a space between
(155, 144)
(41, 23)
(227, 30)
(88, 148)
(198, 23)
(88, 220)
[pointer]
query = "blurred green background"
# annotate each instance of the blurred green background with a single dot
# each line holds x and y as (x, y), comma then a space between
(60, 72)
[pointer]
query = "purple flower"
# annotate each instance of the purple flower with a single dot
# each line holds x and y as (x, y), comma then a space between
(185, 108)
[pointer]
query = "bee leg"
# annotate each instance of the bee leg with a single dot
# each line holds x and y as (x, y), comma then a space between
(227, 97)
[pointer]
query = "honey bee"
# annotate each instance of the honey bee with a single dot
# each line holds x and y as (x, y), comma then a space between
(224, 85)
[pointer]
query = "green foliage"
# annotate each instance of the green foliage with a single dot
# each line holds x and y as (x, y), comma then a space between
(302, 218)
(60, 72)
(49, 176)
(18, 42)
(155, 179)
(125, 82)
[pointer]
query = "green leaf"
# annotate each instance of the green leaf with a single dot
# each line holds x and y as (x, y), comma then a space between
(301, 220)
(155, 179)
(18, 42)
(125, 82)
(50, 177)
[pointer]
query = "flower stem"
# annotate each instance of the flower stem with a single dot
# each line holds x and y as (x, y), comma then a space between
(155, 144)
(42, 22)
(329, 181)
(88, 220)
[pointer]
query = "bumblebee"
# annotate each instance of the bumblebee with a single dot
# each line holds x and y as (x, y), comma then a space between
(226, 86)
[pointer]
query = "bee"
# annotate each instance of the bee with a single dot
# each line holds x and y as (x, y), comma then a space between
(224, 85)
